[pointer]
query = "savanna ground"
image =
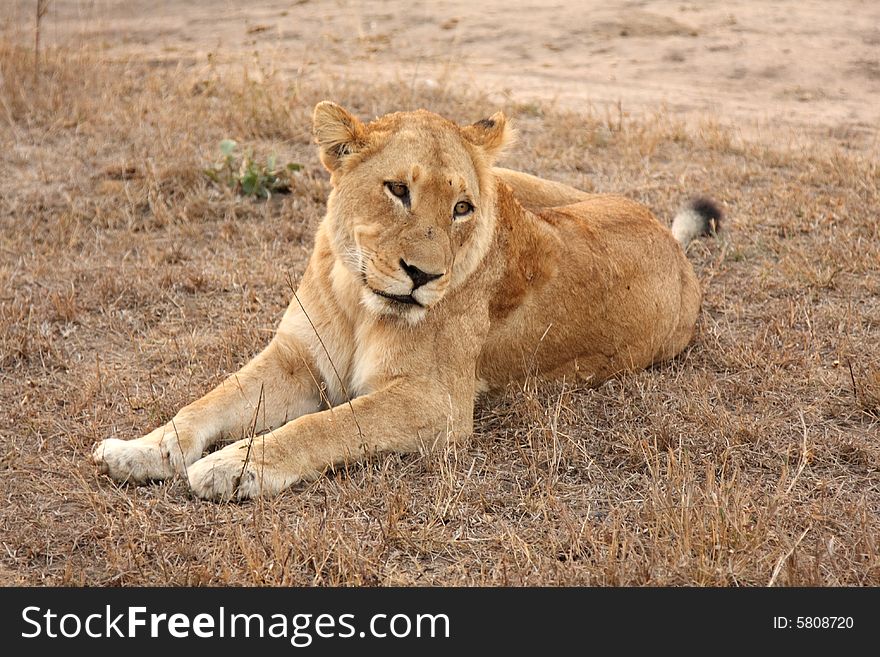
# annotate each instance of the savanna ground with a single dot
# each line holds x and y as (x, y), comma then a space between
(130, 284)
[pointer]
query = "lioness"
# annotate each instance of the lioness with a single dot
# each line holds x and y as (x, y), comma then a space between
(434, 277)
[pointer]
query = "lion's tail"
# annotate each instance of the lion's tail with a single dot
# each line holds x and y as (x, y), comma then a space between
(700, 216)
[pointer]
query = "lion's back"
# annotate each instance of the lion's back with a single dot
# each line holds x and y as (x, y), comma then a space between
(593, 288)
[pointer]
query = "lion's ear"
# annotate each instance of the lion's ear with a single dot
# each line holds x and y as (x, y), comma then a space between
(337, 133)
(492, 134)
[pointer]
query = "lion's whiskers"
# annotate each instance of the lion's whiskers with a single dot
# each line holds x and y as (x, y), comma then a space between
(357, 257)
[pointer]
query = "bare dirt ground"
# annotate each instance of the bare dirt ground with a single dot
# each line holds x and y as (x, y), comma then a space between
(130, 284)
(775, 70)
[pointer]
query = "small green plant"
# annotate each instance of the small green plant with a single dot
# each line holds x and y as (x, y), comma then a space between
(239, 171)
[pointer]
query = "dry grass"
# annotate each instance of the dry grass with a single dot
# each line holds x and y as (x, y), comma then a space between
(129, 286)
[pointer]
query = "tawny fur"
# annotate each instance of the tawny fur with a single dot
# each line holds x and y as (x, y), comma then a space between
(539, 279)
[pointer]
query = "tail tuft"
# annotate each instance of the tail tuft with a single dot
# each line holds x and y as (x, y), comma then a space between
(709, 211)
(701, 216)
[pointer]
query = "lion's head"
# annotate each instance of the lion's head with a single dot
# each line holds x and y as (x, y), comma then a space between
(412, 207)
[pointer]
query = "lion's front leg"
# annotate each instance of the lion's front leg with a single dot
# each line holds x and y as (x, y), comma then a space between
(404, 417)
(272, 389)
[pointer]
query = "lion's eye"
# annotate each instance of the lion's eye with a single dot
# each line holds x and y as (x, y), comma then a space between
(463, 208)
(398, 189)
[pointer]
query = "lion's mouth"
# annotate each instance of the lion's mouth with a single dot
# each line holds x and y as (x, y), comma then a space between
(399, 298)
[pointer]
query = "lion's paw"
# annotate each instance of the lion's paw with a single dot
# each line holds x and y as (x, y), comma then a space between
(131, 460)
(158, 455)
(233, 474)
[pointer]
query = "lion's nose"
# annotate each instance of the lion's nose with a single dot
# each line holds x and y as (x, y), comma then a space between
(418, 276)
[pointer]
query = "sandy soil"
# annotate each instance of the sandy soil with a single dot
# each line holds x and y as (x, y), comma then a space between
(775, 70)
